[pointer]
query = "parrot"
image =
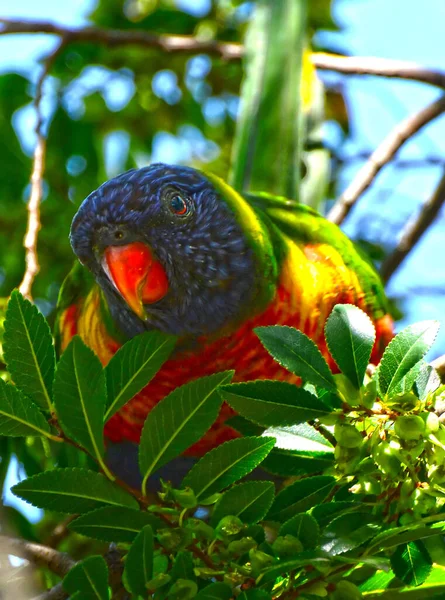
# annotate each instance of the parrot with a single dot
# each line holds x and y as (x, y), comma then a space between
(178, 250)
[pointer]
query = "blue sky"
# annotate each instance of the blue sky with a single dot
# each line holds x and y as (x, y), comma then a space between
(399, 29)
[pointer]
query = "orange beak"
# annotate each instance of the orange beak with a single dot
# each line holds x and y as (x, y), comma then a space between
(139, 278)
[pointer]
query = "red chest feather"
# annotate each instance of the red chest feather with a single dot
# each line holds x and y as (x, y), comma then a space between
(308, 291)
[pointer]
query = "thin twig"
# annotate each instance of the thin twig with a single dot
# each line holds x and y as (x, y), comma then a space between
(122, 37)
(35, 198)
(382, 155)
(55, 593)
(439, 365)
(381, 67)
(113, 558)
(229, 51)
(59, 533)
(37, 554)
(414, 230)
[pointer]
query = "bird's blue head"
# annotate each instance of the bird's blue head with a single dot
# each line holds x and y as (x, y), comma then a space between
(168, 251)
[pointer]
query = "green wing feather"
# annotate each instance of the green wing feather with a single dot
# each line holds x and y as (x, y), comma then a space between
(305, 226)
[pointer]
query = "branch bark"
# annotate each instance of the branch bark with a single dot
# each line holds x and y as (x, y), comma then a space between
(35, 198)
(381, 156)
(37, 554)
(439, 365)
(229, 51)
(414, 230)
(381, 67)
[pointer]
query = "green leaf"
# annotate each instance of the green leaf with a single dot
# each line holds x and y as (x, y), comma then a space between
(215, 591)
(349, 531)
(29, 350)
(300, 496)
(80, 396)
(112, 524)
(325, 513)
(134, 365)
(299, 450)
(267, 147)
(304, 527)
(139, 562)
(72, 491)
(302, 437)
(254, 594)
(248, 501)
(425, 592)
(309, 557)
(427, 380)
(19, 416)
(183, 566)
(288, 463)
(227, 463)
(403, 352)
(90, 578)
(403, 535)
(411, 563)
(299, 354)
(273, 403)
(350, 336)
(178, 421)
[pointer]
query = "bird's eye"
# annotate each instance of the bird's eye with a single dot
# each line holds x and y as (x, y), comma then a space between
(178, 206)
(118, 235)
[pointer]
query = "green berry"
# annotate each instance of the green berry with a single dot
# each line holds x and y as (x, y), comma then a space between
(409, 427)
(432, 423)
(183, 589)
(228, 527)
(350, 393)
(185, 498)
(347, 436)
(239, 547)
(259, 560)
(287, 545)
(157, 582)
(345, 590)
(387, 459)
(200, 529)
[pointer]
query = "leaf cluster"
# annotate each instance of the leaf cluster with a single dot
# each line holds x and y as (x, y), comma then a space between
(349, 502)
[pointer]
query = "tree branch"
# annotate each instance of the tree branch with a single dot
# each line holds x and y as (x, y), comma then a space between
(414, 230)
(439, 365)
(35, 197)
(381, 67)
(122, 37)
(229, 51)
(37, 554)
(381, 156)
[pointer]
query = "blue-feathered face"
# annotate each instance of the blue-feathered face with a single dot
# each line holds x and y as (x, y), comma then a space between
(167, 251)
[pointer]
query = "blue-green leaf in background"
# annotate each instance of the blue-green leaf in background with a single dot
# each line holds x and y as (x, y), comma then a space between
(72, 491)
(403, 352)
(350, 336)
(139, 562)
(114, 524)
(227, 463)
(411, 563)
(134, 365)
(273, 403)
(29, 350)
(249, 501)
(178, 421)
(19, 416)
(297, 353)
(80, 396)
(88, 579)
(300, 496)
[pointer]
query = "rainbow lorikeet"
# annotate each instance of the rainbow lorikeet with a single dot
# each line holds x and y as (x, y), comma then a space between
(174, 249)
